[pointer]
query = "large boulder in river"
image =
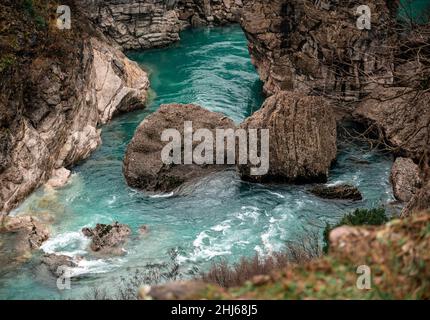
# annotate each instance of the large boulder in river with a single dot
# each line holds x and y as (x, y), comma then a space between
(108, 238)
(405, 178)
(302, 132)
(144, 167)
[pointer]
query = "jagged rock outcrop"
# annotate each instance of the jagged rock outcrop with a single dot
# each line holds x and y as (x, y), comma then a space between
(419, 202)
(59, 87)
(107, 238)
(401, 117)
(137, 24)
(19, 237)
(316, 47)
(405, 178)
(340, 192)
(302, 132)
(143, 164)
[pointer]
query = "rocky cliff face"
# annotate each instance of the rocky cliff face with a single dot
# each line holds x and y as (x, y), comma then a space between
(316, 47)
(135, 24)
(57, 89)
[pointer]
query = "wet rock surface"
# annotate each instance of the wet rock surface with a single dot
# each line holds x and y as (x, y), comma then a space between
(302, 141)
(143, 165)
(57, 263)
(108, 238)
(338, 192)
(19, 237)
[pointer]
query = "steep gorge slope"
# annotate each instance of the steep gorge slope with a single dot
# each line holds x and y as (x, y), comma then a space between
(57, 87)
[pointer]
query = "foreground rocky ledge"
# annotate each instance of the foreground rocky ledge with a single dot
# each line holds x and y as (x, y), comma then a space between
(397, 254)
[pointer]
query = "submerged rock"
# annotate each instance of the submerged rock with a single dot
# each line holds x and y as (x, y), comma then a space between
(303, 137)
(405, 178)
(341, 192)
(143, 165)
(143, 230)
(54, 263)
(107, 238)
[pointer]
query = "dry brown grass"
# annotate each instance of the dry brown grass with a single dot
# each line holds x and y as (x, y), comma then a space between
(227, 276)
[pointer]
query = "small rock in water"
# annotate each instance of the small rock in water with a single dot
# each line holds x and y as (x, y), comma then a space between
(59, 178)
(106, 238)
(340, 192)
(144, 229)
(53, 262)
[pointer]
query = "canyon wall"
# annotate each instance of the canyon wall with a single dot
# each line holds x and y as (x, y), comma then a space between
(377, 77)
(58, 89)
(145, 24)
(315, 46)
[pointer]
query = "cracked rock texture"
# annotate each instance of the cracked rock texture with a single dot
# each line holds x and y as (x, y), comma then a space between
(61, 87)
(317, 48)
(135, 24)
(143, 165)
(405, 178)
(302, 132)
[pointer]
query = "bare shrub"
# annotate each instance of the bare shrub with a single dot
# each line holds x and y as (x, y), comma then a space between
(227, 276)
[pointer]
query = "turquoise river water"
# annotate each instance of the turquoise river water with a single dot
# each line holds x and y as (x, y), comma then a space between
(219, 217)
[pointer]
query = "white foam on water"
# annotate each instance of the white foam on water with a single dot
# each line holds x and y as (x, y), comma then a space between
(335, 183)
(222, 227)
(249, 212)
(69, 244)
(164, 195)
(199, 241)
(93, 266)
(112, 200)
(276, 194)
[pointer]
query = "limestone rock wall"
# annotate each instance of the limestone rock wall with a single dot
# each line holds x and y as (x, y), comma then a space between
(53, 99)
(136, 24)
(315, 46)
